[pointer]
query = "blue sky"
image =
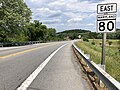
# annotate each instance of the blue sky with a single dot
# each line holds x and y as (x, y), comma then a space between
(68, 14)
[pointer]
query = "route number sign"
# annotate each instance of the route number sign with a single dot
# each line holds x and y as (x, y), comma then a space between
(106, 23)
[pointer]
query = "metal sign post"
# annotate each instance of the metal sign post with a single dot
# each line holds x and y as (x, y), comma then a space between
(103, 50)
(106, 23)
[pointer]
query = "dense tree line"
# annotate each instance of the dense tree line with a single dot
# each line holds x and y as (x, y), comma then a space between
(36, 31)
(73, 34)
(115, 35)
(15, 25)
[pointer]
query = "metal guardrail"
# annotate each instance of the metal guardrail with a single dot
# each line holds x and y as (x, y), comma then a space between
(109, 81)
(7, 44)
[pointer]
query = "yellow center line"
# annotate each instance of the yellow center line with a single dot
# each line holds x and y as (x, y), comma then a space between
(14, 54)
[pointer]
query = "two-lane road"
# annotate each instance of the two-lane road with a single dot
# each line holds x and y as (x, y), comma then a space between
(60, 73)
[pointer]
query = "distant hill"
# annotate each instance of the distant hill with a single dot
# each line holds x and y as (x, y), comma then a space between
(73, 34)
(74, 31)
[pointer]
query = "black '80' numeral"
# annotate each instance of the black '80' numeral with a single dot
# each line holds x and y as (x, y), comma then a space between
(110, 26)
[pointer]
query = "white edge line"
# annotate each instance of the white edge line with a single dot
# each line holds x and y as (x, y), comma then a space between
(30, 79)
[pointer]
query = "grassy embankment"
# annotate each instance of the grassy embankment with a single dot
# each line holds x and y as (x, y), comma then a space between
(112, 54)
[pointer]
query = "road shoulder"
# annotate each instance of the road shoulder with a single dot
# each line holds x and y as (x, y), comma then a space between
(61, 73)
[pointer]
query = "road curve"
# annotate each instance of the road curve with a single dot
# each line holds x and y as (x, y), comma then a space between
(61, 73)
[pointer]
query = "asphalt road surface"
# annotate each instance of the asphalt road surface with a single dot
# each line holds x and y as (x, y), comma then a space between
(58, 71)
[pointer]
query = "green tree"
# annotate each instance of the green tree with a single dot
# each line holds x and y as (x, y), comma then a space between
(36, 31)
(30, 32)
(51, 34)
(14, 15)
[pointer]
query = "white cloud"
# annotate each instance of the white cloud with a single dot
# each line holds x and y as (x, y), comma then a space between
(83, 6)
(90, 24)
(52, 21)
(34, 0)
(74, 5)
(75, 15)
(74, 20)
(46, 13)
(118, 19)
(61, 2)
(62, 24)
(38, 1)
(57, 3)
(92, 15)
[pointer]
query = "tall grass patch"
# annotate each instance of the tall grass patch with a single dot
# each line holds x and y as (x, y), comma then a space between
(112, 55)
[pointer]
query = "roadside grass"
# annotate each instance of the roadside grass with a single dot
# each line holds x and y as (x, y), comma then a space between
(112, 55)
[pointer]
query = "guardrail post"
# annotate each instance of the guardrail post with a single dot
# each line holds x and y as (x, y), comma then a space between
(100, 83)
(88, 57)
